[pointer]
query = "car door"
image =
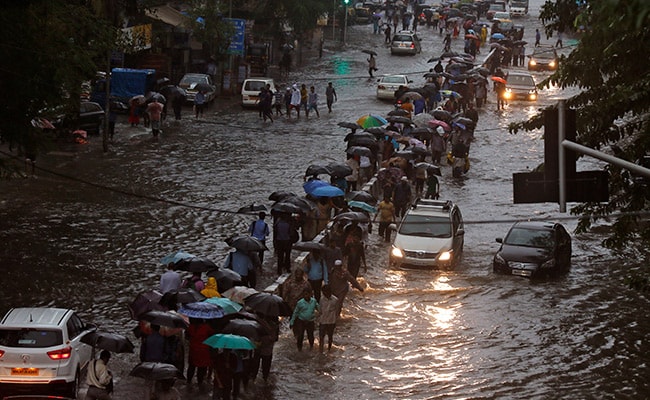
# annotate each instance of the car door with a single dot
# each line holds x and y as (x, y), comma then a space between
(76, 330)
(458, 233)
(564, 248)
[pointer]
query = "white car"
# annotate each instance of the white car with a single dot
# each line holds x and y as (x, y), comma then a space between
(41, 351)
(431, 235)
(192, 83)
(251, 88)
(387, 85)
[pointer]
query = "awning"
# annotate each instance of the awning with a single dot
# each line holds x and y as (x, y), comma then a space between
(168, 15)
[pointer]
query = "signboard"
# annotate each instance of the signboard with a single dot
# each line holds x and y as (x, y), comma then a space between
(137, 38)
(237, 41)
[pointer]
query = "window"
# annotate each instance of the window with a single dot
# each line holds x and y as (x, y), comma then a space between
(30, 338)
(426, 226)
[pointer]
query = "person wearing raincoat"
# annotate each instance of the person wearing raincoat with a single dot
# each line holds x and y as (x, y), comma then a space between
(340, 282)
(293, 288)
(211, 288)
(199, 354)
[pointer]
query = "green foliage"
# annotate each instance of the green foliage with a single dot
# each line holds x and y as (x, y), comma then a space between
(209, 27)
(610, 65)
(301, 15)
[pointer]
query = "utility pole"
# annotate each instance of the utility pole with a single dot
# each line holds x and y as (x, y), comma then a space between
(345, 28)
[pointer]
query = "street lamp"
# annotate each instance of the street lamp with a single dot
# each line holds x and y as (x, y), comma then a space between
(345, 27)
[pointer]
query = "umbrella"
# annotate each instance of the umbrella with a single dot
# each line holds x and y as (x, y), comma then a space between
(251, 329)
(268, 304)
(401, 112)
(369, 120)
(301, 202)
(421, 151)
(349, 125)
(112, 342)
(327, 191)
(498, 36)
(407, 154)
(464, 121)
(228, 306)
(370, 52)
(434, 123)
(195, 264)
(449, 54)
(156, 371)
(358, 135)
(203, 310)
(239, 293)
(139, 99)
(252, 209)
(316, 170)
(339, 170)
(203, 87)
(246, 243)
(279, 195)
(442, 115)
(309, 246)
(421, 119)
(378, 131)
(400, 120)
(411, 96)
(450, 93)
(182, 296)
(285, 207)
(434, 59)
(226, 278)
(370, 143)
(164, 318)
(362, 206)
(359, 151)
(156, 96)
(352, 216)
(310, 185)
(172, 91)
(498, 79)
(361, 195)
(422, 132)
(176, 257)
(228, 341)
(146, 301)
(434, 169)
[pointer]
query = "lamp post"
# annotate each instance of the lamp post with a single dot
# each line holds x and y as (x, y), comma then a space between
(345, 27)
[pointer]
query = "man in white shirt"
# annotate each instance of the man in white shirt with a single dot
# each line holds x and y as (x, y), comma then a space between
(170, 280)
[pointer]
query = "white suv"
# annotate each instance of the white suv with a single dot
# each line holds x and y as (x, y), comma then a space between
(431, 235)
(41, 351)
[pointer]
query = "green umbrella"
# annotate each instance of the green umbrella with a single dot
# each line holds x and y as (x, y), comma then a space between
(228, 341)
(229, 306)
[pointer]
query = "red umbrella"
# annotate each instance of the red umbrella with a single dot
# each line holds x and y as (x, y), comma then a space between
(498, 79)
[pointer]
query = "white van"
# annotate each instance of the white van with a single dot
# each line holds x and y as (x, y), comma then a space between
(251, 88)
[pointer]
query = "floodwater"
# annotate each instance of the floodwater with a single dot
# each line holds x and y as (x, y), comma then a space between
(90, 237)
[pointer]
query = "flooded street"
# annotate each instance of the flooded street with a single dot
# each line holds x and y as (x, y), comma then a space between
(90, 238)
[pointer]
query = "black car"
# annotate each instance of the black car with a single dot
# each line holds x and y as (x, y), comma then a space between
(544, 58)
(534, 249)
(89, 119)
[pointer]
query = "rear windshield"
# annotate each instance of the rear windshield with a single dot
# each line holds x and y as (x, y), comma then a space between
(255, 86)
(393, 79)
(189, 79)
(542, 239)
(403, 38)
(521, 80)
(31, 338)
(426, 226)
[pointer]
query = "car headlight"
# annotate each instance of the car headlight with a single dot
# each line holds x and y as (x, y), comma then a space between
(445, 256)
(551, 64)
(549, 264)
(397, 252)
(533, 63)
(532, 96)
(507, 94)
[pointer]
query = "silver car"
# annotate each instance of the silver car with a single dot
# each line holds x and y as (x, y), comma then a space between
(405, 42)
(387, 85)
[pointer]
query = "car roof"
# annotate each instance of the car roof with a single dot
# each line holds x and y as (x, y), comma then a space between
(537, 225)
(432, 207)
(518, 73)
(36, 317)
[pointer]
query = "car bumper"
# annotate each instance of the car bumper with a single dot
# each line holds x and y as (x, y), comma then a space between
(386, 94)
(419, 263)
(511, 96)
(541, 67)
(403, 50)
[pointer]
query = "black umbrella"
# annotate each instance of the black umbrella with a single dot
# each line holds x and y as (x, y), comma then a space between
(350, 125)
(359, 151)
(268, 304)
(433, 169)
(113, 342)
(246, 327)
(195, 264)
(339, 170)
(164, 318)
(419, 150)
(309, 246)
(203, 87)
(172, 91)
(352, 216)
(286, 208)
(465, 121)
(399, 120)
(398, 112)
(226, 278)
(408, 154)
(361, 195)
(377, 131)
(146, 301)
(280, 194)
(421, 132)
(181, 296)
(246, 243)
(163, 81)
(316, 170)
(155, 371)
(370, 52)
(442, 115)
(157, 96)
(252, 209)
(365, 141)
(359, 135)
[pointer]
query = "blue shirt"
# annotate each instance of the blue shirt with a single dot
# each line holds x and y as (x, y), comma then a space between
(239, 262)
(199, 98)
(316, 270)
(259, 230)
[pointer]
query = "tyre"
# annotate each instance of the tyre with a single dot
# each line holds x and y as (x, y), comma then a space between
(73, 387)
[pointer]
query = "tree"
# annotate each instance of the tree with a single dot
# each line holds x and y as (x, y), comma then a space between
(610, 65)
(47, 48)
(209, 27)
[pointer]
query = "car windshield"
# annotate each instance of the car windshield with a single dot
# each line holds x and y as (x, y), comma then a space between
(393, 79)
(30, 338)
(521, 80)
(544, 53)
(190, 79)
(426, 226)
(542, 239)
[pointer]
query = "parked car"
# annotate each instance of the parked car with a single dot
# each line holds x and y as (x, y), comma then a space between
(544, 58)
(251, 88)
(388, 85)
(494, 8)
(431, 235)
(405, 42)
(192, 83)
(534, 249)
(520, 86)
(41, 351)
(90, 118)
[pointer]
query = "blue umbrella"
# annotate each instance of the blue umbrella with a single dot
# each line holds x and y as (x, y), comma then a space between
(498, 36)
(361, 205)
(202, 310)
(309, 186)
(228, 341)
(176, 257)
(327, 191)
